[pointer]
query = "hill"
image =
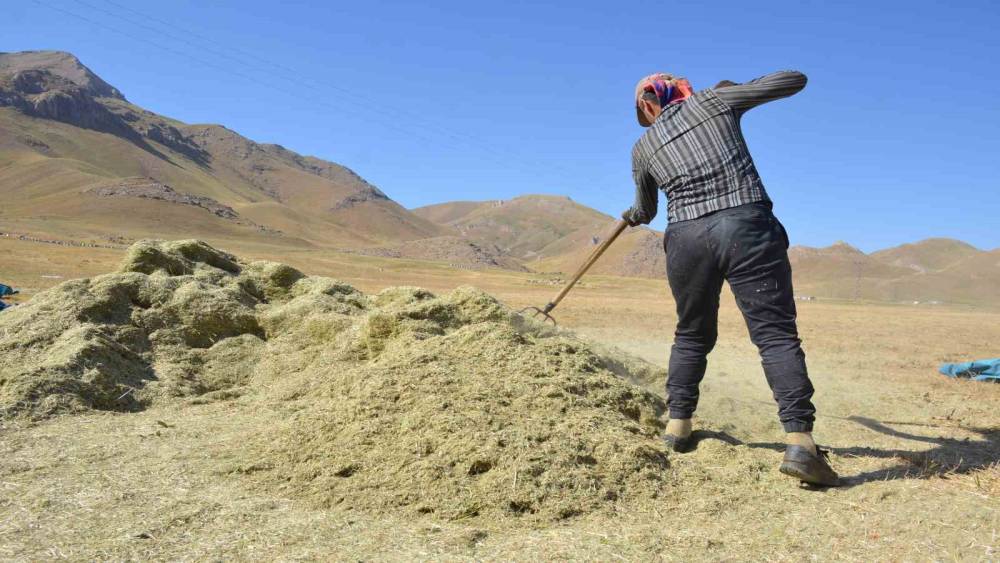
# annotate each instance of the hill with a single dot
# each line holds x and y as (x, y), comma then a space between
(77, 159)
(522, 227)
(458, 252)
(930, 255)
(80, 163)
(932, 270)
(638, 253)
(555, 235)
(451, 211)
(551, 234)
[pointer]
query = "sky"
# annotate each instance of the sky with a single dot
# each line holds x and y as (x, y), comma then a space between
(896, 137)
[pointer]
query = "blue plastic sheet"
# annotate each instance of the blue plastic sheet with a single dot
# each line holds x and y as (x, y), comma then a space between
(979, 370)
(5, 290)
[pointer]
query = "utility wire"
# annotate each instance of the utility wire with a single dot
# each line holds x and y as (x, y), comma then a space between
(202, 37)
(324, 86)
(388, 123)
(196, 45)
(391, 124)
(346, 96)
(304, 81)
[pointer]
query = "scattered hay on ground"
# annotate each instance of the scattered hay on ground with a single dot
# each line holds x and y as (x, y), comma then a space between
(403, 401)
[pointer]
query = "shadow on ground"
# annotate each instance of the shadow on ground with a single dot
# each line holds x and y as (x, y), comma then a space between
(949, 456)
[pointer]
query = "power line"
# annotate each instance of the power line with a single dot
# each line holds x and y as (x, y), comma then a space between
(202, 37)
(304, 81)
(346, 96)
(390, 124)
(197, 46)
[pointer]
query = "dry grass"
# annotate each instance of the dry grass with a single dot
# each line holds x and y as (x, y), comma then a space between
(919, 452)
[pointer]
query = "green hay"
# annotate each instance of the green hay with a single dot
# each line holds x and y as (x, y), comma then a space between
(481, 421)
(450, 405)
(170, 322)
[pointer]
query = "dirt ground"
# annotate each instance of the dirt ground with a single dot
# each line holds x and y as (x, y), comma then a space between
(919, 453)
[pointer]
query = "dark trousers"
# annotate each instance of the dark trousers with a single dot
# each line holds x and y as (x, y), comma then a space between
(747, 247)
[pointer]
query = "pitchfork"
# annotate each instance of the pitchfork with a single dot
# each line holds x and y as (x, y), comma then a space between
(544, 311)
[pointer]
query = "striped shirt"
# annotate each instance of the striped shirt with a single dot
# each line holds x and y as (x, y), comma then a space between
(696, 154)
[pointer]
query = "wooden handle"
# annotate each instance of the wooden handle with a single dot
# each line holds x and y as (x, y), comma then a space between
(621, 226)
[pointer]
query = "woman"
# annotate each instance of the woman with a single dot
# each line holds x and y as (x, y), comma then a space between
(721, 228)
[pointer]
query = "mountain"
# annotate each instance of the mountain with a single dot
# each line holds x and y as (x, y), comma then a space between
(78, 160)
(445, 213)
(522, 226)
(930, 255)
(971, 280)
(57, 64)
(942, 270)
(839, 271)
(556, 234)
(458, 252)
(551, 234)
(638, 252)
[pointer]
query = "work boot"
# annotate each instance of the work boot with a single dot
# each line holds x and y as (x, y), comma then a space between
(678, 434)
(813, 468)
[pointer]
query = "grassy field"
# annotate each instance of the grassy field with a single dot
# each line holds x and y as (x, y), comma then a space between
(918, 452)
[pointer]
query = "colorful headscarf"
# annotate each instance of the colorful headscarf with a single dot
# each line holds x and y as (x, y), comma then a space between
(668, 89)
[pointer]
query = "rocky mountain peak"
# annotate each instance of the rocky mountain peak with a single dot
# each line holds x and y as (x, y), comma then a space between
(60, 64)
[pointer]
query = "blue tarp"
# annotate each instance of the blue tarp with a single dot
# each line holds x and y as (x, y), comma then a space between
(5, 290)
(979, 370)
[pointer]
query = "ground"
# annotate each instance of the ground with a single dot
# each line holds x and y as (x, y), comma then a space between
(918, 452)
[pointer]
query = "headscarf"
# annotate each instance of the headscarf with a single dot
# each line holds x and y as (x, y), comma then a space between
(668, 89)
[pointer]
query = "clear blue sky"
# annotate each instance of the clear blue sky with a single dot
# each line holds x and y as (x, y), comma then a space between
(896, 138)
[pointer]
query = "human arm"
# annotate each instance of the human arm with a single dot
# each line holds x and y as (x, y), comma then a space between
(774, 86)
(646, 197)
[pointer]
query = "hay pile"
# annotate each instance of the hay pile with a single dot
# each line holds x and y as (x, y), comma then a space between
(446, 405)
(122, 340)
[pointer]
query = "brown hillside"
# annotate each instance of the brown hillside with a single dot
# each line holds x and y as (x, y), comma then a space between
(522, 227)
(935, 270)
(458, 252)
(552, 234)
(928, 255)
(638, 253)
(80, 163)
(65, 134)
(840, 271)
(971, 280)
(443, 213)
(59, 64)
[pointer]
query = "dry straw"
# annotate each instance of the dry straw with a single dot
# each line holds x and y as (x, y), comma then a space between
(448, 405)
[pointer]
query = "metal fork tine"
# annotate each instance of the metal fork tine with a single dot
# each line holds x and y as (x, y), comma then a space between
(537, 312)
(597, 252)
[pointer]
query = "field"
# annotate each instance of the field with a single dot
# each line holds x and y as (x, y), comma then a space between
(918, 452)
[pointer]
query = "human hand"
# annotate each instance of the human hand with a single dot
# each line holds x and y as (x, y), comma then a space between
(628, 218)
